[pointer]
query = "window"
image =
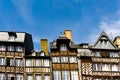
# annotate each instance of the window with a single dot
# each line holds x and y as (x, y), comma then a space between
(19, 62)
(96, 53)
(19, 49)
(65, 75)
(115, 67)
(10, 62)
(96, 67)
(2, 61)
(74, 75)
(55, 59)
(63, 47)
(28, 62)
(103, 42)
(11, 38)
(73, 60)
(64, 59)
(10, 48)
(47, 77)
(105, 67)
(2, 48)
(46, 63)
(19, 77)
(114, 54)
(57, 75)
(38, 62)
(38, 77)
(10, 77)
(2, 76)
(29, 77)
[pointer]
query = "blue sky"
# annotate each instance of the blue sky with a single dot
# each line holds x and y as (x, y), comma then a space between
(47, 18)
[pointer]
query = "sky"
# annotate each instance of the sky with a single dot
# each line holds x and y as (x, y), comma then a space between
(48, 18)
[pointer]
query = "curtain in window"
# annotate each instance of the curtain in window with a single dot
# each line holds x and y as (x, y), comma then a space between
(96, 67)
(57, 75)
(63, 47)
(74, 75)
(29, 77)
(2, 48)
(10, 76)
(19, 48)
(10, 48)
(105, 67)
(65, 75)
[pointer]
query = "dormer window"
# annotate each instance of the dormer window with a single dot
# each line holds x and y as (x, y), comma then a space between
(11, 38)
(63, 47)
(103, 42)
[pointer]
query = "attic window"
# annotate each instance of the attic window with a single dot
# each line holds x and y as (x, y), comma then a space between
(12, 36)
(103, 42)
(63, 47)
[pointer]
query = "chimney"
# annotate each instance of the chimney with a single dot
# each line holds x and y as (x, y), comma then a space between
(44, 45)
(68, 34)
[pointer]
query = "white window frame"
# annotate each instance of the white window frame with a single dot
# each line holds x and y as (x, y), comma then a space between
(97, 67)
(2, 48)
(19, 77)
(63, 47)
(65, 75)
(28, 62)
(19, 62)
(10, 48)
(64, 59)
(73, 59)
(57, 75)
(19, 48)
(29, 77)
(2, 61)
(105, 67)
(2, 76)
(46, 63)
(38, 77)
(55, 59)
(46, 77)
(74, 75)
(38, 62)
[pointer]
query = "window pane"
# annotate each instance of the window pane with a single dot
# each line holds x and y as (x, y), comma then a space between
(10, 76)
(19, 49)
(11, 62)
(57, 75)
(96, 67)
(19, 62)
(47, 77)
(2, 48)
(73, 60)
(114, 54)
(105, 67)
(29, 77)
(2, 61)
(65, 75)
(74, 75)
(56, 59)
(46, 63)
(38, 77)
(63, 47)
(64, 59)
(19, 77)
(28, 62)
(38, 62)
(10, 48)
(115, 67)
(2, 76)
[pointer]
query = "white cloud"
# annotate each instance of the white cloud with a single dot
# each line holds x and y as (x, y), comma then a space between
(23, 8)
(111, 25)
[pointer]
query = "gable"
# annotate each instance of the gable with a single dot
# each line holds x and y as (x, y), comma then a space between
(104, 42)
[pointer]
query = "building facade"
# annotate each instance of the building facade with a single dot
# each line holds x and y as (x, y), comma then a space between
(13, 47)
(101, 61)
(64, 59)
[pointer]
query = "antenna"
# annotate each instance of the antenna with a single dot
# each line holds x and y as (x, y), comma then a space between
(111, 35)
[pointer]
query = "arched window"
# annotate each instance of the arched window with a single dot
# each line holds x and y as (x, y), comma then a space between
(63, 47)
